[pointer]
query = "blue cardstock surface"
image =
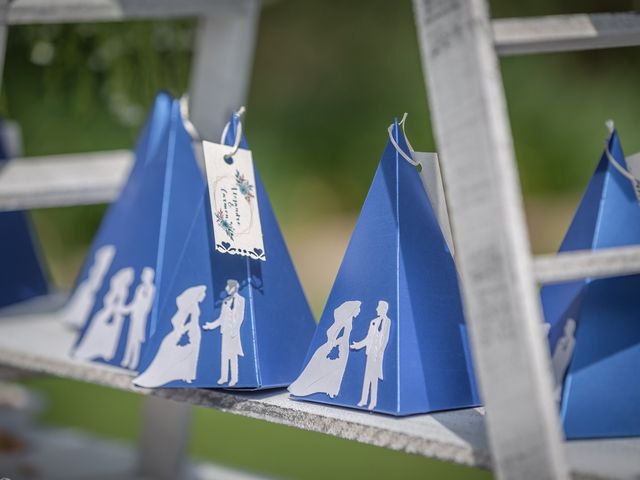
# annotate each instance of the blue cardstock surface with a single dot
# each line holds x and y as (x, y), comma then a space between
(393, 321)
(273, 322)
(23, 275)
(601, 394)
(135, 229)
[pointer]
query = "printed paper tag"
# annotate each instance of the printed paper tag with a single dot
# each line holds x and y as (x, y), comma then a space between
(234, 204)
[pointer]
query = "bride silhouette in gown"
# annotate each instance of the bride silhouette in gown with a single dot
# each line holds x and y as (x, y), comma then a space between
(77, 310)
(177, 356)
(102, 336)
(324, 372)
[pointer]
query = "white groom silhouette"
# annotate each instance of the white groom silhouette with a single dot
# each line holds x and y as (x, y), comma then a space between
(375, 343)
(230, 321)
(138, 311)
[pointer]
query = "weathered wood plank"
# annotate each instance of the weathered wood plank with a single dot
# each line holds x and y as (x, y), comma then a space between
(568, 266)
(39, 343)
(24, 12)
(502, 307)
(222, 62)
(61, 180)
(4, 7)
(561, 33)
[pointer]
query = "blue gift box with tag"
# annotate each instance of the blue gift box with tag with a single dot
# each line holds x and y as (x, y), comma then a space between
(226, 321)
(23, 274)
(594, 334)
(392, 337)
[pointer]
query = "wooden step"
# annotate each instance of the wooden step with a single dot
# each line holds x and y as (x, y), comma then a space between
(562, 33)
(38, 342)
(63, 180)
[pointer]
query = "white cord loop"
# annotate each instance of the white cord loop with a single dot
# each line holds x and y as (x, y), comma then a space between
(397, 147)
(186, 120)
(236, 143)
(635, 183)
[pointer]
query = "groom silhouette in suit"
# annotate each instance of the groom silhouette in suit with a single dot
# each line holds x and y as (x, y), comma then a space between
(230, 321)
(374, 344)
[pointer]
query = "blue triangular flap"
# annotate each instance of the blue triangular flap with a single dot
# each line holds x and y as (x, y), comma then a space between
(396, 296)
(23, 276)
(121, 285)
(265, 301)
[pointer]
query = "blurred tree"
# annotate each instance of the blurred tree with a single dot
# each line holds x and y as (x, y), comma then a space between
(329, 77)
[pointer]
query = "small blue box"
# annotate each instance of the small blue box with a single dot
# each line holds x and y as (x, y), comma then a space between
(392, 337)
(594, 332)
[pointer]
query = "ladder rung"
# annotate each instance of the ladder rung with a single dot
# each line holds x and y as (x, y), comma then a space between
(63, 180)
(559, 33)
(579, 264)
(70, 11)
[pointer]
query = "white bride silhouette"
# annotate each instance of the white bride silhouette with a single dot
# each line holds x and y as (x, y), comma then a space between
(77, 310)
(324, 372)
(177, 357)
(103, 334)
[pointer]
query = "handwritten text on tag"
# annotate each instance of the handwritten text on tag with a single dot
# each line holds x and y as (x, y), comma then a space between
(234, 203)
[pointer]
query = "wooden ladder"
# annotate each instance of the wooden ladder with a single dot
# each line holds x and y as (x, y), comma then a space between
(520, 437)
(223, 57)
(459, 46)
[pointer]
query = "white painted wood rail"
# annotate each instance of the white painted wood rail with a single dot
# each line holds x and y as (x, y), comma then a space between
(459, 48)
(579, 264)
(63, 180)
(501, 303)
(561, 33)
(24, 12)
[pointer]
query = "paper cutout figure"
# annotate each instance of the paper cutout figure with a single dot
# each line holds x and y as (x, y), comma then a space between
(598, 395)
(77, 310)
(277, 323)
(23, 272)
(101, 339)
(138, 311)
(562, 355)
(324, 371)
(177, 357)
(139, 225)
(374, 344)
(229, 322)
(399, 267)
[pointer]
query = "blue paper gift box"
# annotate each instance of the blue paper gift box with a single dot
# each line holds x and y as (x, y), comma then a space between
(117, 295)
(594, 333)
(23, 274)
(392, 337)
(226, 321)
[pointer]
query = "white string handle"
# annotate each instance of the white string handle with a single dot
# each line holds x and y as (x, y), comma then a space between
(236, 143)
(397, 147)
(186, 120)
(635, 183)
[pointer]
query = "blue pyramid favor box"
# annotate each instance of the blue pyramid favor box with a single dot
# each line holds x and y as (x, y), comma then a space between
(23, 275)
(226, 321)
(120, 287)
(392, 337)
(594, 333)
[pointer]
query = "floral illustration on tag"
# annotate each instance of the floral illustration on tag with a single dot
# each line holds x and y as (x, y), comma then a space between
(224, 223)
(246, 189)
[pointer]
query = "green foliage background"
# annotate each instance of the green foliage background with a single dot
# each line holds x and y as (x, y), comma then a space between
(329, 76)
